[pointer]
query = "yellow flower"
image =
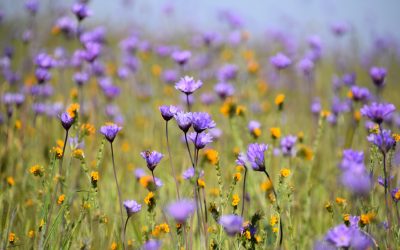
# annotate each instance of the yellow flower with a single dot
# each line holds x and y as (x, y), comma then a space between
(340, 201)
(125, 147)
(73, 109)
(328, 206)
(164, 227)
(237, 177)
(36, 170)
(149, 199)
(266, 185)
(305, 152)
(346, 218)
(114, 246)
(78, 154)
(275, 230)
(214, 192)
(11, 238)
(247, 234)
(397, 195)
(236, 151)
(145, 180)
(248, 54)
(357, 115)
(10, 181)
(18, 124)
(239, 168)
(256, 132)
(396, 137)
(350, 94)
(258, 238)
(253, 67)
(31, 234)
(61, 199)
(275, 133)
(94, 176)
(212, 156)
(201, 183)
(228, 108)
(87, 129)
(279, 99)
(325, 113)
(300, 136)
(375, 129)
(271, 197)
(285, 172)
(226, 54)
(235, 200)
(41, 224)
(156, 69)
(366, 219)
(58, 151)
(273, 220)
(240, 110)
(262, 86)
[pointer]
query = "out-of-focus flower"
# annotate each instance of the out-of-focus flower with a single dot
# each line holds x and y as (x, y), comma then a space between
(181, 210)
(280, 61)
(378, 76)
(378, 112)
(232, 224)
(132, 207)
(188, 85)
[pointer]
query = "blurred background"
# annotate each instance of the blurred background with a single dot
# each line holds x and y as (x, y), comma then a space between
(371, 21)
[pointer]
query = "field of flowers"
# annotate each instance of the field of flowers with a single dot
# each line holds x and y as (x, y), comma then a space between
(207, 140)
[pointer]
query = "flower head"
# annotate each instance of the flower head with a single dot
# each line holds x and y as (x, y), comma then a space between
(184, 120)
(152, 158)
(110, 131)
(188, 85)
(181, 57)
(383, 140)
(359, 94)
(151, 245)
(255, 155)
(81, 11)
(378, 112)
(181, 210)
(339, 236)
(280, 61)
(378, 76)
(224, 90)
(66, 120)
(395, 194)
(287, 145)
(202, 121)
(168, 112)
(200, 140)
(132, 207)
(232, 224)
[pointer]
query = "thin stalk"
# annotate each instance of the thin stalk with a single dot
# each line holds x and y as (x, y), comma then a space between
(119, 192)
(244, 190)
(188, 148)
(170, 160)
(62, 156)
(124, 232)
(188, 102)
(278, 208)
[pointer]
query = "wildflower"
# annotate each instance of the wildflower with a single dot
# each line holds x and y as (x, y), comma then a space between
(181, 210)
(280, 61)
(110, 131)
(87, 129)
(10, 181)
(202, 121)
(168, 112)
(11, 238)
(78, 154)
(366, 219)
(254, 128)
(395, 194)
(152, 158)
(266, 185)
(232, 224)
(94, 178)
(384, 140)
(58, 152)
(184, 120)
(149, 199)
(212, 156)
(287, 144)
(275, 133)
(201, 183)
(31, 234)
(285, 172)
(224, 90)
(37, 170)
(279, 101)
(359, 94)
(240, 110)
(229, 107)
(81, 11)
(378, 76)
(188, 174)
(181, 57)
(72, 110)
(378, 112)
(132, 207)
(61, 199)
(273, 220)
(328, 207)
(151, 245)
(237, 177)
(235, 200)
(114, 246)
(188, 85)
(200, 140)
(339, 236)
(255, 155)
(340, 201)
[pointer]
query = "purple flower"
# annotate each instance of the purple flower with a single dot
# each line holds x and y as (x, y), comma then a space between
(339, 28)
(66, 25)
(378, 76)
(170, 76)
(42, 75)
(188, 173)
(280, 61)
(287, 145)
(383, 140)
(81, 11)
(255, 155)
(357, 180)
(168, 112)
(184, 120)
(306, 66)
(340, 236)
(360, 94)
(241, 160)
(110, 131)
(395, 194)
(316, 107)
(139, 173)
(188, 85)
(181, 210)
(81, 78)
(224, 90)
(232, 224)
(227, 72)
(202, 121)
(152, 158)
(32, 6)
(181, 57)
(200, 140)
(349, 79)
(132, 207)
(351, 159)
(66, 120)
(45, 61)
(93, 50)
(151, 245)
(209, 98)
(378, 112)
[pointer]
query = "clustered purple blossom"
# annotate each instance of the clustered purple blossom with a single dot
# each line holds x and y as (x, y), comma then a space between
(132, 207)
(181, 210)
(232, 224)
(110, 131)
(152, 158)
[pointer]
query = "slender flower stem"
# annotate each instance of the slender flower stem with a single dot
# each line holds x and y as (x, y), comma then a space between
(188, 102)
(124, 232)
(188, 148)
(278, 208)
(244, 190)
(386, 184)
(119, 192)
(63, 152)
(170, 160)
(154, 179)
